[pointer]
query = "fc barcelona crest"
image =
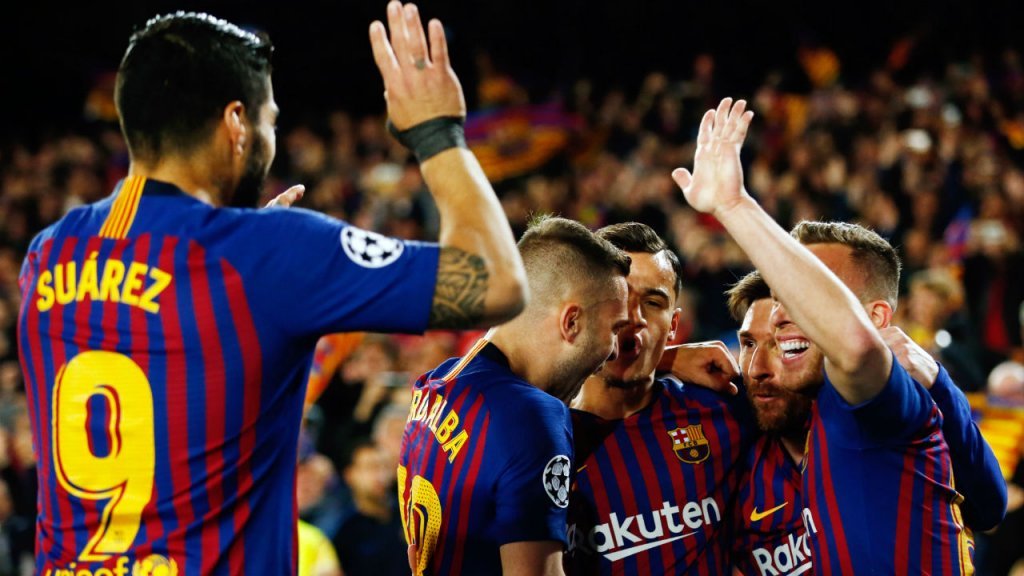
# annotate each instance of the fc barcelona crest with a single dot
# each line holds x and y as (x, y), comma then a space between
(689, 444)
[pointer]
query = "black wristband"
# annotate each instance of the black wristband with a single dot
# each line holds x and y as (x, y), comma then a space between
(432, 137)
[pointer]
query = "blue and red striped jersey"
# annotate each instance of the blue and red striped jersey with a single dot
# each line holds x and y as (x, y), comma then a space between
(769, 538)
(166, 345)
(878, 485)
(485, 461)
(652, 491)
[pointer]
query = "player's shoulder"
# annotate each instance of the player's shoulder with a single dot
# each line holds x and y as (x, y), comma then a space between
(514, 401)
(76, 222)
(275, 220)
(511, 393)
(733, 408)
(694, 395)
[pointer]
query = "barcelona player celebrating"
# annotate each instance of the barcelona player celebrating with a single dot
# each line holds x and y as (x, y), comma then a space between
(770, 538)
(877, 486)
(487, 451)
(657, 460)
(166, 339)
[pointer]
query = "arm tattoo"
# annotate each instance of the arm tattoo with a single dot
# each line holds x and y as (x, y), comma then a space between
(462, 281)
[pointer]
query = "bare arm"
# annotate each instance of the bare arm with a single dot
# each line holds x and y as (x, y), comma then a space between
(532, 559)
(481, 280)
(856, 358)
(707, 364)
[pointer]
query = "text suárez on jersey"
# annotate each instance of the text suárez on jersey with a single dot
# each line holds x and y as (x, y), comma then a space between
(132, 283)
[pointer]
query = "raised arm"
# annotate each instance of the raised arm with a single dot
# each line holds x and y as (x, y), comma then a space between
(856, 358)
(480, 278)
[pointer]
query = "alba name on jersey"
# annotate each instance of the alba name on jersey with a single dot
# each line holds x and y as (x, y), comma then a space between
(166, 345)
(652, 491)
(486, 459)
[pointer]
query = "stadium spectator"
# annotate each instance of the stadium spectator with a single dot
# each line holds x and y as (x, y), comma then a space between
(370, 540)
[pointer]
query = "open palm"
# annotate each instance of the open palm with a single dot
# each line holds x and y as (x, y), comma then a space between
(717, 179)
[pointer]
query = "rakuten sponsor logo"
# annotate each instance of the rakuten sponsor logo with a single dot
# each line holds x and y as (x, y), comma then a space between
(792, 557)
(624, 537)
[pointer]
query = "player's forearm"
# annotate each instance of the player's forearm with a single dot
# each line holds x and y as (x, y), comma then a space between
(473, 221)
(542, 558)
(827, 312)
(975, 468)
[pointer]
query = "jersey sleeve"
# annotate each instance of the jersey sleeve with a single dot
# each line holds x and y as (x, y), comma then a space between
(532, 490)
(897, 415)
(320, 275)
(975, 468)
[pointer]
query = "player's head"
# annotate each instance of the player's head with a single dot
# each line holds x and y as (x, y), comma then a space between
(777, 407)
(861, 259)
(192, 86)
(654, 284)
(578, 289)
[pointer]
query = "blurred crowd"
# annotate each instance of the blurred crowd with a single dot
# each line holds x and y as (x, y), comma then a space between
(934, 163)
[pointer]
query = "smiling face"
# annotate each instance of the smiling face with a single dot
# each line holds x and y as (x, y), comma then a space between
(652, 320)
(803, 362)
(776, 408)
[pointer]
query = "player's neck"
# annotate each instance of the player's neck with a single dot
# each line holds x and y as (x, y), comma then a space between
(794, 445)
(195, 178)
(613, 402)
(521, 351)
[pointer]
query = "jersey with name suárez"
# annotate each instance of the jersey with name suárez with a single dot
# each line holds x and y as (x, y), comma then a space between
(166, 345)
(653, 491)
(485, 461)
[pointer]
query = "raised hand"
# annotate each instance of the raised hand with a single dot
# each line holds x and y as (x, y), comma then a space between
(418, 85)
(717, 180)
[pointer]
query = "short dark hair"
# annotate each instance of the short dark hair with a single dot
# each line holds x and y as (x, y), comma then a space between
(641, 238)
(557, 251)
(745, 292)
(177, 75)
(870, 252)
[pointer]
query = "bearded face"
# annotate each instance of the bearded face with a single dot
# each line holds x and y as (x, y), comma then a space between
(777, 407)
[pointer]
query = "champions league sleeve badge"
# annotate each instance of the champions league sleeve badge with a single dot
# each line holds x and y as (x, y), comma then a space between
(556, 480)
(369, 249)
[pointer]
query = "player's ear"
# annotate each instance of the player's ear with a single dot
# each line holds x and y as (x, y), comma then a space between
(233, 120)
(880, 313)
(570, 321)
(673, 327)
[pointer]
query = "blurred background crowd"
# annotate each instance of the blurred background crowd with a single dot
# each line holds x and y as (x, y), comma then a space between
(926, 150)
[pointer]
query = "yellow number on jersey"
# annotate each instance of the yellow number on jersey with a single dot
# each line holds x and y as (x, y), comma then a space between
(421, 517)
(124, 476)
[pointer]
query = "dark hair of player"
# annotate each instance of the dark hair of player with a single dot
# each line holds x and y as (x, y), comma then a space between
(745, 292)
(641, 238)
(178, 74)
